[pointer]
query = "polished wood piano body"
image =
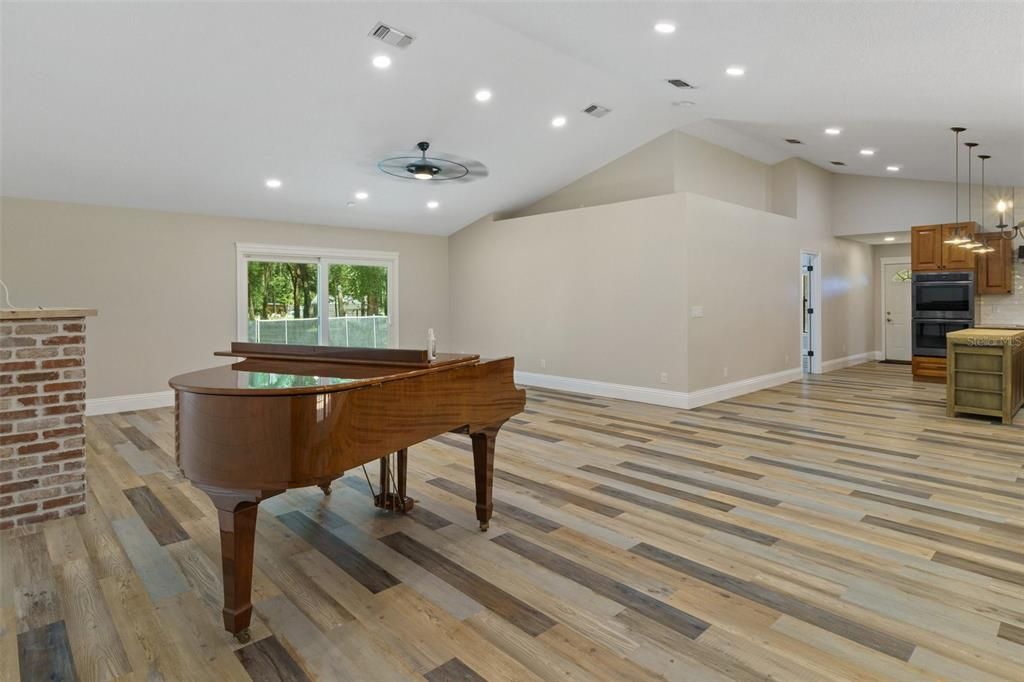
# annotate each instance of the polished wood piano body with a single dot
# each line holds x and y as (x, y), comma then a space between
(294, 416)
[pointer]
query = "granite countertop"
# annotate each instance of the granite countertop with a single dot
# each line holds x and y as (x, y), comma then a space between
(39, 313)
(999, 326)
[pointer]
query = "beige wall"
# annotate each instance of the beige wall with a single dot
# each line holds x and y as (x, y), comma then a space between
(674, 162)
(713, 171)
(646, 171)
(164, 283)
(605, 293)
(868, 205)
(597, 293)
(743, 268)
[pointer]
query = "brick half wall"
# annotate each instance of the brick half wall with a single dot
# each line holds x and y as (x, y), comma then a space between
(42, 429)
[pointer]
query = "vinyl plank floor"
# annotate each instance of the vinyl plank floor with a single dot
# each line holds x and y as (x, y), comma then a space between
(840, 527)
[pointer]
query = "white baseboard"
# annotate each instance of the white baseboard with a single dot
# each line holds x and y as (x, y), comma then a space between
(126, 403)
(657, 396)
(604, 389)
(850, 360)
(682, 399)
(733, 389)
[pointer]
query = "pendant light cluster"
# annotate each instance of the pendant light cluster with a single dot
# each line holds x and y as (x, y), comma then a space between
(1013, 230)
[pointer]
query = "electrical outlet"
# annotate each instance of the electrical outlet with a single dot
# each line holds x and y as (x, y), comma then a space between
(543, 363)
(664, 377)
(844, 347)
(725, 371)
(787, 361)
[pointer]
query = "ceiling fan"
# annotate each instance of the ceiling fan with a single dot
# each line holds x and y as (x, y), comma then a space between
(432, 168)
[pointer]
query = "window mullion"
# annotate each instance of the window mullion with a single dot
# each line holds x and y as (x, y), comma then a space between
(323, 308)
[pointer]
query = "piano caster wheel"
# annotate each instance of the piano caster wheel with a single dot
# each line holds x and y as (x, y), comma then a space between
(243, 636)
(326, 487)
(484, 526)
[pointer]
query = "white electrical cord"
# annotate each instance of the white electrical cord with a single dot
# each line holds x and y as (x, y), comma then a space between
(7, 295)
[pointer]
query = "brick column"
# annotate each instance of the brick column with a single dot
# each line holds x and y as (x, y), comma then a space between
(42, 411)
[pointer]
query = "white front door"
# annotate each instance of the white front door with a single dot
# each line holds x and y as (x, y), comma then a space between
(896, 300)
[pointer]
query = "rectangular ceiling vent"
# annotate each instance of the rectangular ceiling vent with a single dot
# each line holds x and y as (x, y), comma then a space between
(390, 35)
(597, 111)
(678, 83)
(837, 163)
(793, 140)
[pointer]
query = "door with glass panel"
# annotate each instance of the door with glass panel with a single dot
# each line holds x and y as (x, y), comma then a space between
(896, 278)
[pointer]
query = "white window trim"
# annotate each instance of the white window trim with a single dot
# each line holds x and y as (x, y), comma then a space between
(323, 257)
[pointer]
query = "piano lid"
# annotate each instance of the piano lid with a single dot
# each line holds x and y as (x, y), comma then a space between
(271, 372)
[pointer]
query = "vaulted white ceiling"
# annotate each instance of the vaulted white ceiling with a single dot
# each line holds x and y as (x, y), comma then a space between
(191, 106)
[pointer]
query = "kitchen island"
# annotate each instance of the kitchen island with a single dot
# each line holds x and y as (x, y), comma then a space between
(985, 372)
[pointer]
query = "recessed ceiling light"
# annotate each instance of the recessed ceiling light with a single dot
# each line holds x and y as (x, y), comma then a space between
(433, 204)
(735, 71)
(867, 152)
(350, 204)
(558, 121)
(683, 103)
(890, 239)
(482, 95)
(665, 27)
(833, 131)
(362, 196)
(273, 183)
(382, 61)
(893, 169)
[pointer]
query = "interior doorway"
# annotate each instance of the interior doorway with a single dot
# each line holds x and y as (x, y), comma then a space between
(810, 312)
(896, 327)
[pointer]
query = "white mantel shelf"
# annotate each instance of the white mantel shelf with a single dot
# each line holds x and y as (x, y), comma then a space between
(42, 313)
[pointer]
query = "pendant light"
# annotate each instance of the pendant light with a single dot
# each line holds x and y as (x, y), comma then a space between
(985, 248)
(957, 237)
(970, 242)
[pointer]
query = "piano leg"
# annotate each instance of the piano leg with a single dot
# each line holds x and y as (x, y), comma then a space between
(483, 469)
(393, 484)
(236, 512)
(326, 487)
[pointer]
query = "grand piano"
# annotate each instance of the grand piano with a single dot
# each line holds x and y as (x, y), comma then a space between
(286, 416)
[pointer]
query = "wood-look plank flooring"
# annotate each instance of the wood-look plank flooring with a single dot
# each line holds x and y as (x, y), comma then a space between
(837, 528)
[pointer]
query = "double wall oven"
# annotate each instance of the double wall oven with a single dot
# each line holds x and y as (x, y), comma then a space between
(941, 302)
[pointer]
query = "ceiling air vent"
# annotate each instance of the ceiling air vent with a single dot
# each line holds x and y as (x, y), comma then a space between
(597, 111)
(677, 83)
(837, 163)
(793, 140)
(391, 36)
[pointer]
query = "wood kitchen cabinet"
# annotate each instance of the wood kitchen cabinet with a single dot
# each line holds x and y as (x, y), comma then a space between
(926, 247)
(953, 256)
(928, 252)
(995, 269)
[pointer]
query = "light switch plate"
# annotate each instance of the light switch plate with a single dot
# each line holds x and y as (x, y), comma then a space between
(697, 311)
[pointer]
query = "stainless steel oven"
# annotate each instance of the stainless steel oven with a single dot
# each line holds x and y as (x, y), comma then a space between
(943, 295)
(929, 336)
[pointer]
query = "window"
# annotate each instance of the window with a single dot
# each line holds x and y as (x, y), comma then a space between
(280, 290)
